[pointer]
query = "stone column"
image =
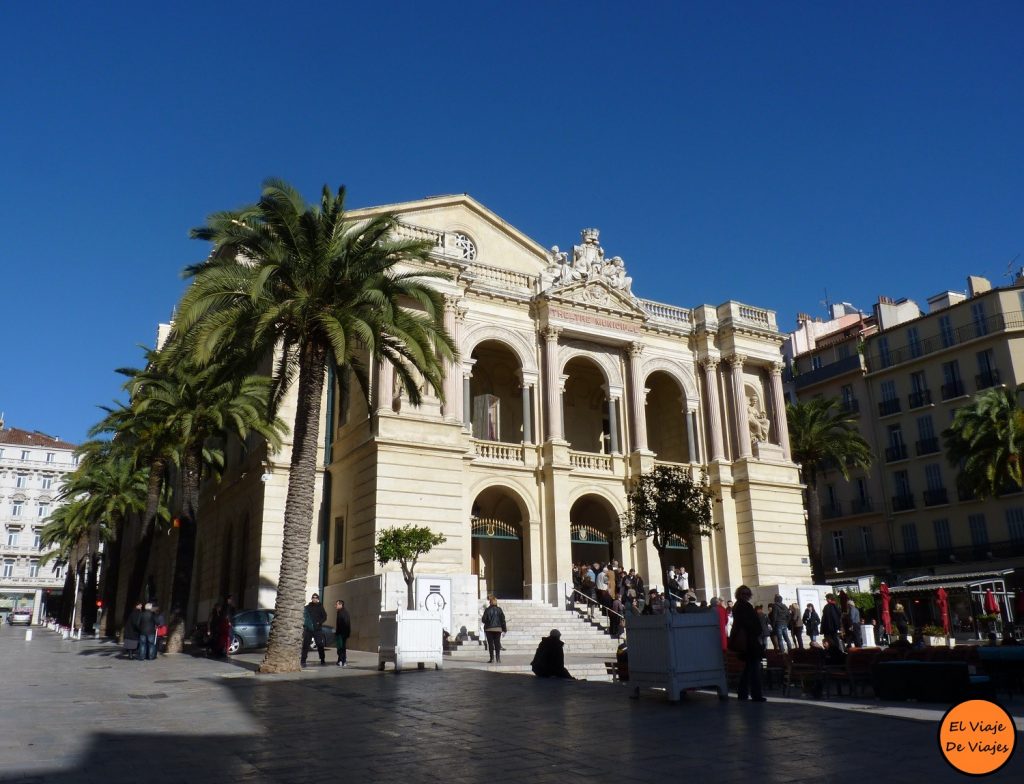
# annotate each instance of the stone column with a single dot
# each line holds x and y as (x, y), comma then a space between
(638, 397)
(467, 399)
(691, 434)
(451, 369)
(779, 408)
(552, 384)
(613, 424)
(385, 385)
(739, 400)
(527, 390)
(710, 365)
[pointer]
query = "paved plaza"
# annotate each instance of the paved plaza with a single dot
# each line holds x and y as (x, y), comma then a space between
(79, 713)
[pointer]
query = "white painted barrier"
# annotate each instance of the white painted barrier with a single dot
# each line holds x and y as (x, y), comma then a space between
(676, 651)
(410, 636)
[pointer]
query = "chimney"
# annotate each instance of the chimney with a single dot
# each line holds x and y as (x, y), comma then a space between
(977, 285)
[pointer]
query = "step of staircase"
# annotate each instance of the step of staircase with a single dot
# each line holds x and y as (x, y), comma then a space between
(528, 621)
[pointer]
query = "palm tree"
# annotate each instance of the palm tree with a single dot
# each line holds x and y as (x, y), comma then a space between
(823, 437)
(103, 491)
(152, 445)
(986, 442)
(198, 405)
(320, 288)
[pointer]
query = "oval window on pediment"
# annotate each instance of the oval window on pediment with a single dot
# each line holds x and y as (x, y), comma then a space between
(464, 246)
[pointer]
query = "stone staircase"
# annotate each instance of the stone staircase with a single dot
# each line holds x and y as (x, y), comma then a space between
(587, 644)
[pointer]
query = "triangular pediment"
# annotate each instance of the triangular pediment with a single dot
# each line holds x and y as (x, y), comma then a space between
(596, 293)
(467, 231)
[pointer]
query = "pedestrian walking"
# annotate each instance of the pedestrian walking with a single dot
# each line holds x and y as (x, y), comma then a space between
(812, 622)
(899, 619)
(796, 624)
(746, 641)
(855, 628)
(342, 630)
(493, 621)
(831, 623)
(779, 619)
(313, 617)
(131, 631)
(146, 625)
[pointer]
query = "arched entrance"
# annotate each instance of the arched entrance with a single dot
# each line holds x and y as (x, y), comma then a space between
(594, 528)
(497, 551)
(496, 394)
(666, 419)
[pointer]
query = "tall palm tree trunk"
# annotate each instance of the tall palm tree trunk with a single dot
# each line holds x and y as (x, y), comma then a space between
(184, 561)
(111, 575)
(283, 647)
(140, 565)
(814, 533)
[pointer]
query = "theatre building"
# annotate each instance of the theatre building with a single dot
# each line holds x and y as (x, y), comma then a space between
(567, 387)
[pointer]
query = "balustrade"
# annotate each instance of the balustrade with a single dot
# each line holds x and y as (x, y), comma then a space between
(499, 452)
(590, 461)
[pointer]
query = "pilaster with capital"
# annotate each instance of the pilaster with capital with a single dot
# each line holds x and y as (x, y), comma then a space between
(552, 384)
(710, 365)
(779, 408)
(739, 399)
(638, 397)
(451, 370)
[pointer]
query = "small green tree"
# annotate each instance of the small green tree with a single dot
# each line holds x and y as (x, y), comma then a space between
(406, 544)
(669, 503)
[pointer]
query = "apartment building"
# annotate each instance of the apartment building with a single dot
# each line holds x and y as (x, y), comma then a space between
(32, 470)
(901, 373)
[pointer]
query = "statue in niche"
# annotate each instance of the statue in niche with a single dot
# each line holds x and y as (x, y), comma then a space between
(757, 419)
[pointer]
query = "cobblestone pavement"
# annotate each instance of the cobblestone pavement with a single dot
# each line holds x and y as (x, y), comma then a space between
(76, 712)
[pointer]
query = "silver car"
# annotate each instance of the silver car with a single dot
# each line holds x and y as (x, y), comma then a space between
(252, 630)
(21, 617)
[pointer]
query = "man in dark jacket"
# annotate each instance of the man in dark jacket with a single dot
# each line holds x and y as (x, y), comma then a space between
(131, 631)
(313, 617)
(778, 616)
(493, 621)
(831, 622)
(342, 629)
(146, 624)
(549, 661)
(745, 642)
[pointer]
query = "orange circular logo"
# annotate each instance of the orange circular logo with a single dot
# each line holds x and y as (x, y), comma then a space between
(977, 737)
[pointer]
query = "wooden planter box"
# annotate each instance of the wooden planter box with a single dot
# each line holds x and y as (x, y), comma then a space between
(410, 637)
(676, 651)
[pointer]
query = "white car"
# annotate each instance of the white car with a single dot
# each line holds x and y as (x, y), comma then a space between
(23, 617)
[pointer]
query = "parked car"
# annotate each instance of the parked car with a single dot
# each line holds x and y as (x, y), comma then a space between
(21, 617)
(252, 630)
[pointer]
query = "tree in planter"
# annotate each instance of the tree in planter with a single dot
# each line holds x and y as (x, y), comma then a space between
(406, 544)
(669, 504)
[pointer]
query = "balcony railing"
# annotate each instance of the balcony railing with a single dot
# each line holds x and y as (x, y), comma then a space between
(988, 379)
(936, 496)
(887, 407)
(831, 511)
(918, 399)
(825, 372)
(498, 452)
(850, 406)
(966, 553)
(901, 503)
(895, 452)
(857, 560)
(952, 389)
(591, 461)
(928, 446)
(861, 506)
(966, 494)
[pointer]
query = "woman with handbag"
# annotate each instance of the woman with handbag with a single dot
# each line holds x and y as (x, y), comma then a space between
(745, 642)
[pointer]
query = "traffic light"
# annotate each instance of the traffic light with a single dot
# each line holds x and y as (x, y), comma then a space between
(99, 604)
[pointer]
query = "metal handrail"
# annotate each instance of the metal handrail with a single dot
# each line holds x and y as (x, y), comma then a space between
(590, 600)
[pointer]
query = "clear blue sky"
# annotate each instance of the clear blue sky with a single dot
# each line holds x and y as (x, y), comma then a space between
(763, 152)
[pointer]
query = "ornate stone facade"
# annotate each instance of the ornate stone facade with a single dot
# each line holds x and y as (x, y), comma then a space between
(567, 387)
